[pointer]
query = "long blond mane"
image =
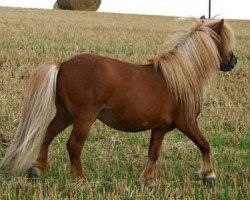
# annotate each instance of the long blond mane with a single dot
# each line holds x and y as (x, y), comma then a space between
(190, 65)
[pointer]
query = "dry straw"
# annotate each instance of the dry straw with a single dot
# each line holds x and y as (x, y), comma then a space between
(91, 5)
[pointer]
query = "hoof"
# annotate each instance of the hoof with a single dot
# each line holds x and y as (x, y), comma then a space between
(147, 182)
(33, 172)
(150, 183)
(210, 179)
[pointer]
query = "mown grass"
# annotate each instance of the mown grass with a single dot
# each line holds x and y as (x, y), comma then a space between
(113, 160)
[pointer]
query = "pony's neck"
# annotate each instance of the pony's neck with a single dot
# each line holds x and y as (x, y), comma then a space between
(188, 68)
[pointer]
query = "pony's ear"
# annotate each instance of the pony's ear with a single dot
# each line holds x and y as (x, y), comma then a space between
(218, 26)
(202, 17)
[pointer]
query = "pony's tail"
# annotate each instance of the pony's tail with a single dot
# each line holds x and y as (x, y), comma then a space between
(39, 110)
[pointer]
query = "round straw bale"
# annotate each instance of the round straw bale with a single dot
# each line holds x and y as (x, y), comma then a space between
(56, 6)
(91, 5)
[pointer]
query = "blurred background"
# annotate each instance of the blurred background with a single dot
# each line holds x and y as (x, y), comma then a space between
(233, 9)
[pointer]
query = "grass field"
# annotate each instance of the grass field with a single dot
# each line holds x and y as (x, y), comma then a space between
(113, 160)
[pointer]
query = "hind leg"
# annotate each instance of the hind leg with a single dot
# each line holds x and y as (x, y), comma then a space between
(58, 124)
(191, 130)
(81, 127)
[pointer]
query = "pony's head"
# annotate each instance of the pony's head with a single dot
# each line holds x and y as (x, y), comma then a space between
(190, 65)
(225, 41)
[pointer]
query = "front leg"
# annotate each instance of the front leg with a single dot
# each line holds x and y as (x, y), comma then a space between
(147, 175)
(191, 130)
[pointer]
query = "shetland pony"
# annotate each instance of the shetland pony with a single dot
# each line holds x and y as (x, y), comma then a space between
(163, 95)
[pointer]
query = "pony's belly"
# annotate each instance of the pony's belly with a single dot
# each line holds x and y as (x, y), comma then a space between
(128, 122)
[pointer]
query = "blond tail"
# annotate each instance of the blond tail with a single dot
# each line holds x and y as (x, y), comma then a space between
(39, 110)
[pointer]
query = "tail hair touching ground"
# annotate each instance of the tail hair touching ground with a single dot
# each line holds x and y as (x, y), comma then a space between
(38, 112)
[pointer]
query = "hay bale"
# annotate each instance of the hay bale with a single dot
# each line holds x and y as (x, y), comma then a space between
(91, 5)
(56, 6)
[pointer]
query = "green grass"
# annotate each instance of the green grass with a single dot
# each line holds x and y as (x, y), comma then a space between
(113, 160)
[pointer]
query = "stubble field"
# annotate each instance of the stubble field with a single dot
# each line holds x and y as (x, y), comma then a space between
(113, 160)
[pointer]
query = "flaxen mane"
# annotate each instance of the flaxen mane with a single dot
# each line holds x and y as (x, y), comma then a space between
(190, 65)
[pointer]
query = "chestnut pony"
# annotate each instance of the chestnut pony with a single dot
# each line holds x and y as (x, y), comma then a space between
(163, 95)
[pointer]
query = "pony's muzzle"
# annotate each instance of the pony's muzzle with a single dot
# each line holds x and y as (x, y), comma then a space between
(230, 65)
